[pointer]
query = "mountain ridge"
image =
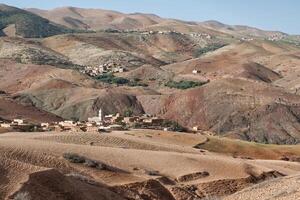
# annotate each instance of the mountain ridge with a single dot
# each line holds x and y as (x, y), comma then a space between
(210, 23)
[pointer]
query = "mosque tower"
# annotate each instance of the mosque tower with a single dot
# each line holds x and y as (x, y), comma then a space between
(100, 115)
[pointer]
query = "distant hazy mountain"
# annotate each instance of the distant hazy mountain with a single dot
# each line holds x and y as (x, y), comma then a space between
(239, 29)
(96, 19)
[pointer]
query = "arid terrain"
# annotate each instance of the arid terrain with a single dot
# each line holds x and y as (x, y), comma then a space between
(139, 164)
(234, 91)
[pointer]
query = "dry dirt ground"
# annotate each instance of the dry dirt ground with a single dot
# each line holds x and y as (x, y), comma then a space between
(139, 164)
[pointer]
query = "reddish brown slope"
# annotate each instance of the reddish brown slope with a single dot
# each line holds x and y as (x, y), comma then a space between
(235, 107)
(10, 109)
(96, 19)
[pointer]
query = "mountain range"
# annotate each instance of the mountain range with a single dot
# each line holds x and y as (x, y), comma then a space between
(233, 89)
(242, 71)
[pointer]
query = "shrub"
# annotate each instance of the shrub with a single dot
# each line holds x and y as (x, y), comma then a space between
(183, 85)
(111, 79)
(90, 163)
(152, 173)
(120, 81)
(136, 84)
(136, 79)
(128, 112)
(74, 158)
(137, 125)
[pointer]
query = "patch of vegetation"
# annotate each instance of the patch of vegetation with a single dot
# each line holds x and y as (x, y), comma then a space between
(128, 112)
(29, 25)
(183, 85)
(137, 84)
(212, 47)
(111, 30)
(111, 79)
(152, 172)
(75, 158)
(136, 125)
(290, 40)
(173, 126)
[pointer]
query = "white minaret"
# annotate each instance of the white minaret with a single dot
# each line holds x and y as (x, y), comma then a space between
(100, 115)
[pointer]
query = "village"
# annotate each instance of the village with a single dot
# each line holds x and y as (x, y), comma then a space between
(100, 123)
(102, 69)
(113, 67)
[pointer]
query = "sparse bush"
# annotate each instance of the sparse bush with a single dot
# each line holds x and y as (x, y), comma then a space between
(120, 81)
(137, 79)
(152, 173)
(136, 84)
(22, 196)
(111, 30)
(74, 158)
(128, 112)
(137, 125)
(111, 79)
(90, 163)
(183, 85)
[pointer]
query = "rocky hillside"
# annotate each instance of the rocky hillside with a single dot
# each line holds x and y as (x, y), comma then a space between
(99, 19)
(18, 22)
(235, 108)
(235, 81)
(96, 19)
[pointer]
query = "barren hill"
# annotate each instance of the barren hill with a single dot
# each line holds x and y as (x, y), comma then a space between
(34, 165)
(96, 19)
(99, 19)
(238, 85)
(65, 92)
(11, 109)
(241, 31)
(283, 188)
(234, 107)
(18, 22)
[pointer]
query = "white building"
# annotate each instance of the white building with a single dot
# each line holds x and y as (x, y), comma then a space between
(18, 121)
(67, 123)
(5, 125)
(46, 125)
(97, 119)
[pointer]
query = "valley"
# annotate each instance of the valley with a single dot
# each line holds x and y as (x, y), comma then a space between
(232, 91)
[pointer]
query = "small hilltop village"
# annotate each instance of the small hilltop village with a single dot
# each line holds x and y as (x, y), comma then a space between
(99, 123)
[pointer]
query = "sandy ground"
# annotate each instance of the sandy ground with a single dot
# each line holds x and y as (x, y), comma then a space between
(282, 188)
(178, 167)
